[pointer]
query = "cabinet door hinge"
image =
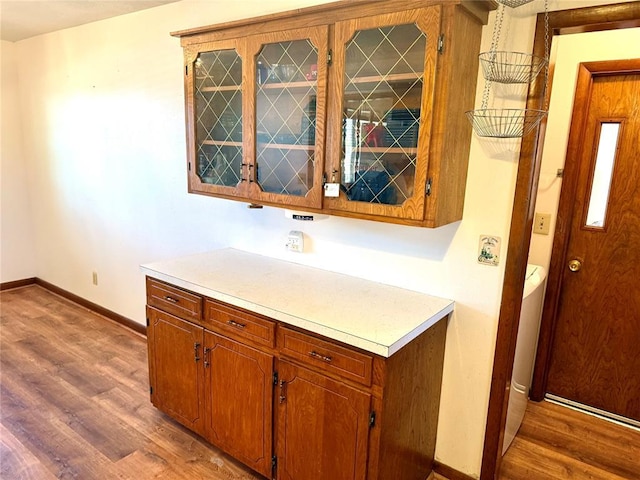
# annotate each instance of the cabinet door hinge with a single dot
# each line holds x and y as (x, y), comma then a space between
(274, 462)
(372, 419)
(147, 321)
(186, 70)
(150, 390)
(275, 378)
(441, 43)
(329, 57)
(189, 166)
(428, 188)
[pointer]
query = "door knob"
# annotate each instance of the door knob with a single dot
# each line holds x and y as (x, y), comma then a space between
(575, 265)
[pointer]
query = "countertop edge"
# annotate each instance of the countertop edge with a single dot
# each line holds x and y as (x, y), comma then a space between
(416, 332)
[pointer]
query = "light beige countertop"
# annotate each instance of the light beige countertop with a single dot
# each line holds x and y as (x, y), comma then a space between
(372, 316)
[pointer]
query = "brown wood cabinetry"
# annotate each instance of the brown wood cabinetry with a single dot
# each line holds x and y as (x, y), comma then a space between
(289, 403)
(352, 108)
(176, 368)
(323, 427)
(217, 386)
(239, 383)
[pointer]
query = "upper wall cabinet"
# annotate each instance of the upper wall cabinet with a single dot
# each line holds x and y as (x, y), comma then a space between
(285, 148)
(215, 93)
(383, 90)
(352, 108)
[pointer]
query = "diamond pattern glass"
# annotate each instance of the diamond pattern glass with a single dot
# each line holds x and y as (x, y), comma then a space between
(218, 85)
(384, 69)
(286, 116)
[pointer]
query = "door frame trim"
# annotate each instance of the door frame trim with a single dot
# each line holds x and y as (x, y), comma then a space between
(606, 17)
(587, 72)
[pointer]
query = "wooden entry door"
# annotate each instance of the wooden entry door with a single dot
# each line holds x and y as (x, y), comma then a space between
(595, 353)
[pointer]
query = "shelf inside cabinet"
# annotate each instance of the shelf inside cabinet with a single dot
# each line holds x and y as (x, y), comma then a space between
(224, 88)
(412, 151)
(391, 78)
(304, 84)
(222, 143)
(287, 146)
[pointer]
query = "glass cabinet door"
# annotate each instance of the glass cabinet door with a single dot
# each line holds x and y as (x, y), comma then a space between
(385, 93)
(217, 120)
(290, 79)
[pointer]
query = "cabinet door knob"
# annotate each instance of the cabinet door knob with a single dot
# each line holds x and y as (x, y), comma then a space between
(283, 398)
(207, 351)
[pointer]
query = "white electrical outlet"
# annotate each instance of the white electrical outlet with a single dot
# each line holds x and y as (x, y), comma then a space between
(295, 241)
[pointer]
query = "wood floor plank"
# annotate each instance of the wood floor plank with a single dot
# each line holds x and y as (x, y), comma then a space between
(581, 437)
(537, 462)
(556, 442)
(17, 462)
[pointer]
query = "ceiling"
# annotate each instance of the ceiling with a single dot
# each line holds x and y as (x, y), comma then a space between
(20, 19)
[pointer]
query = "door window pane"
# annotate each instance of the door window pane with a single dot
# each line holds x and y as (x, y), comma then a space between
(384, 70)
(218, 85)
(601, 185)
(286, 117)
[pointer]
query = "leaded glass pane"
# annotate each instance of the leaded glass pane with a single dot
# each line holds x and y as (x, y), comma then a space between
(286, 93)
(384, 69)
(218, 84)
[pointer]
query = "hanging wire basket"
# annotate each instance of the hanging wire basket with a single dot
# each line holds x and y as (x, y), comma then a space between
(514, 3)
(511, 67)
(504, 122)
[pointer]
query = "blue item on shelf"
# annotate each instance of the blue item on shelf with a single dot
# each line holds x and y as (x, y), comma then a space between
(373, 187)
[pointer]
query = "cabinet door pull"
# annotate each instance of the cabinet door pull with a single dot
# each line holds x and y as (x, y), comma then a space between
(319, 356)
(196, 346)
(283, 398)
(236, 324)
(171, 299)
(207, 352)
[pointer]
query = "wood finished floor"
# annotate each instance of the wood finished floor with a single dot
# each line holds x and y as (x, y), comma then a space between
(75, 405)
(557, 443)
(75, 402)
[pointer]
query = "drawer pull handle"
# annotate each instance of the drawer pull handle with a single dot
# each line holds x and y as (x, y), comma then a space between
(319, 356)
(236, 324)
(171, 299)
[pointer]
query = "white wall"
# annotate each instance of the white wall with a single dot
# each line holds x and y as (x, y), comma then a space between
(104, 140)
(569, 51)
(17, 252)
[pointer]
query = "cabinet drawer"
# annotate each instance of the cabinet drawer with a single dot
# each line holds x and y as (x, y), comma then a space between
(239, 324)
(329, 356)
(173, 300)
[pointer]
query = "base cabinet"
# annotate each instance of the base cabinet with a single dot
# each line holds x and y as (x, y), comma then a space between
(239, 388)
(323, 427)
(176, 368)
(288, 403)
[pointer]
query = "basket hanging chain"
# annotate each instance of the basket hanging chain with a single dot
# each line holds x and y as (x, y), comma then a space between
(497, 29)
(547, 54)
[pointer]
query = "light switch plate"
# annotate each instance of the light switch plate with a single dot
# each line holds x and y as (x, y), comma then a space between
(541, 223)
